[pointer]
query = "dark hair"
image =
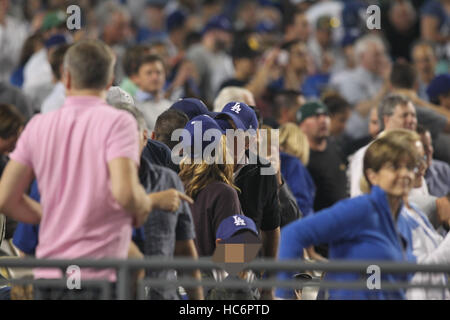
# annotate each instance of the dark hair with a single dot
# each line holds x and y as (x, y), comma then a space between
(11, 120)
(132, 57)
(167, 123)
(335, 103)
(57, 60)
(150, 58)
(289, 18)
(287, 99)
(403, 75)
(90, 63)
(29, 47)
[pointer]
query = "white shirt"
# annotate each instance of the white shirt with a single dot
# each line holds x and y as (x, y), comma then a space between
(355, 171)
(12, 36)
(37, 72)
(55, 100)
(152, 110)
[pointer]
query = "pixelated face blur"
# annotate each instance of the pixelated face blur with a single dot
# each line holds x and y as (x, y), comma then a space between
(395, 179)
(317, 127)
(152, 77)
(404, 117)
(373, 57)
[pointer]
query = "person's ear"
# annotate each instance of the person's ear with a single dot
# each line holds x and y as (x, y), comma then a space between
(66, 79)
(145, 134)
(372, 176)
(153, 137)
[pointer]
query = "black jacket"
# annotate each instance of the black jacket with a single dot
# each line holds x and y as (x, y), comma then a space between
(259, 196)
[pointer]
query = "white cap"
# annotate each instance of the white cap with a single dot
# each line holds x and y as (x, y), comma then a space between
(117, 96)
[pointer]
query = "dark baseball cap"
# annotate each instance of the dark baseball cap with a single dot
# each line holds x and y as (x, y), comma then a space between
(438, 86)
(242, 115)
(311, 109)
(248, 48)
(192, 107)
(197, 128)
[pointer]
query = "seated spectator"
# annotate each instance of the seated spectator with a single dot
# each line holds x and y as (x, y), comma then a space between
(385, 162)
(150, 96)
(437, 175)
(56, 98)
(424, 61)
(131, 67)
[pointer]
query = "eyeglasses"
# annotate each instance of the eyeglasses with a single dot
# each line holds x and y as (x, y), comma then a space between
(396, 167)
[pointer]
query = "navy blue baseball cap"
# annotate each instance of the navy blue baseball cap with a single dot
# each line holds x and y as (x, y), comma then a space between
(440, 85)
(219, 22)
(192, 107)
(242, 115)
(175, 20)
(197, 128)
(231, 225)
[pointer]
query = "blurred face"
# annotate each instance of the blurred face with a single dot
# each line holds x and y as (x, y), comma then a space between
(324, 37)
(8, 145)
(374, 124)
(223, 40)
(317, 128)
(301, 26)
(402, 16)
(424, 60)
(373, 57)
(395, 179)
(118, 29)
(246, 67)
(298, 57)
(404, 117)
(421, 165)
(152, 77)
(338, 122)
(427, 143)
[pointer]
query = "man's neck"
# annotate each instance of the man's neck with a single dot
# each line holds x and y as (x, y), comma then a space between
(86, 92)
(318, 144)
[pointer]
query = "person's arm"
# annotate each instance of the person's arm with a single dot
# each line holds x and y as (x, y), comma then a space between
(131, 196)
(270, 241)
(259, 82)
(14, 203)
(429, 27)
(186, 248)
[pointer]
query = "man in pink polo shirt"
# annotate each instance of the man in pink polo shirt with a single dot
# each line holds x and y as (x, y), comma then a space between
(85, 158)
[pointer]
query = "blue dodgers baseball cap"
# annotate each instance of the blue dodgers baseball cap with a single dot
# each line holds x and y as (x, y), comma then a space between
(192, 108)
(197, 128)
(219, 22)
(438, 86)
(242, 115)
(231, 225)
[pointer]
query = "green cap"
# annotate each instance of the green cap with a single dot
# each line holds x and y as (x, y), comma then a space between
(311, 109)
(53, 19)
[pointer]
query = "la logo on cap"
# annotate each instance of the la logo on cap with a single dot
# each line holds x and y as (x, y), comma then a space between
(238, 221)
(236, 108)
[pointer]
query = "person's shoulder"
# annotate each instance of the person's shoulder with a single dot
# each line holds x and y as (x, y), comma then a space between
(166, 176)
(221, 190)
(440, 165)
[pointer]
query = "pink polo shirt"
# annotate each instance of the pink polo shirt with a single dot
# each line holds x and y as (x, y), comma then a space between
(69, 150)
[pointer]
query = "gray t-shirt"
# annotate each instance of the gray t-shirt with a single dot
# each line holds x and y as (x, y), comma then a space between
(162, 229)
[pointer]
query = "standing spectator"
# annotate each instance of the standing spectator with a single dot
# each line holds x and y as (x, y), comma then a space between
(150, 96)
(166, 124)
(294, 147)
(325, 163)
(297, 27)
(13, 34)
(164, 235)
(109, 143)
(210, 57)
(286, 105)
(373, 234)
(210, 185)
(340, 111)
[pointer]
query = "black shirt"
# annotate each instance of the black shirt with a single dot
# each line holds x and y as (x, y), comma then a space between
(259, 196)
(328, 171)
